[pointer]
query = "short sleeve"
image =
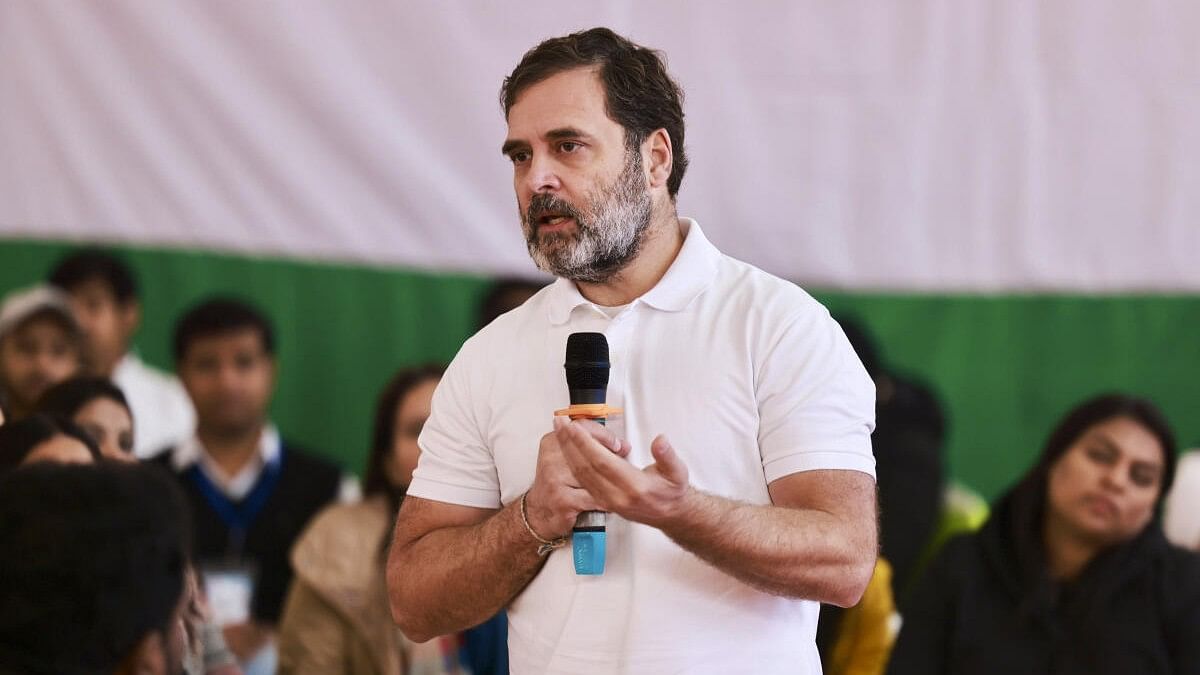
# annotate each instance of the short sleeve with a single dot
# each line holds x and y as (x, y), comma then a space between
(816, 402)
(456, 465)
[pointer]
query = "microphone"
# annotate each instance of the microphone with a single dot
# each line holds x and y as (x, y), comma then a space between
(587, 383)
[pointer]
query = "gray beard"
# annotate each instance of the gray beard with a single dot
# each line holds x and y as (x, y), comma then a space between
(605, 241)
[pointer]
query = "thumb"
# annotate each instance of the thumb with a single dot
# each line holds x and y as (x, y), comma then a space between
(668, 462)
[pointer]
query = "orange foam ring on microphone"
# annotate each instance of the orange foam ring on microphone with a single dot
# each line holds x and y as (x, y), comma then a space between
(588, 411)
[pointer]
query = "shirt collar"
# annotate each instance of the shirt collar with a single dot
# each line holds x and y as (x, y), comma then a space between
(191, 450)
(690, 274)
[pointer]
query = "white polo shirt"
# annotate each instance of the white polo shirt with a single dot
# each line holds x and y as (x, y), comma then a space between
(749, 378)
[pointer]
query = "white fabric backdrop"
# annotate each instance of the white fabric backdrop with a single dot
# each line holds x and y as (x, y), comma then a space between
(917, 145)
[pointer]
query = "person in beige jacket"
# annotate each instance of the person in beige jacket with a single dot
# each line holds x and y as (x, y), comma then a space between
(336, 619)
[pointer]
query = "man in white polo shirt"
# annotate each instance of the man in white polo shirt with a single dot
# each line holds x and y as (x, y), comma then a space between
(739, 481)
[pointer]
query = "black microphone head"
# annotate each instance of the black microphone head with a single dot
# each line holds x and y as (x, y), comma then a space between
(587, 361)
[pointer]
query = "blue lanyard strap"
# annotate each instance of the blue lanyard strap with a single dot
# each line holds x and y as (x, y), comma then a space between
(238, 516)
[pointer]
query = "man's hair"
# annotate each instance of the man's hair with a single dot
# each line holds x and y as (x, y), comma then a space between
(639, 93)
(68, 397)
(91, 264)
(18, 439)
(94, 561)
(221, 316)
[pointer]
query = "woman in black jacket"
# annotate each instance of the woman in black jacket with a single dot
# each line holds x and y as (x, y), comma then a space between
(1071, 574)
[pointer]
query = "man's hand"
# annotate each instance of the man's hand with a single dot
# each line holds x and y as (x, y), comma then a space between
(596, 457)
(556, 497)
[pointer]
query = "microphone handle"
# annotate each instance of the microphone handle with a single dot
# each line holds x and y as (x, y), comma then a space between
(588, 539)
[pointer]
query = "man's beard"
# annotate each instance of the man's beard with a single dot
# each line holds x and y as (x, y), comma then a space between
(605, 239)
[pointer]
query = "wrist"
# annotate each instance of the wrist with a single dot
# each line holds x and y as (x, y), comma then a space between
(545, 544)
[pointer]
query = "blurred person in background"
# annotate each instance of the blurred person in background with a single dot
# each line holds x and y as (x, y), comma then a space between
(337, 618)
(251, 492)
(503, 295)
(99, 408)
(99, 582)
(1071, 573)
(1181, 512)
(44, 438)
(104, 294)
(40, 346)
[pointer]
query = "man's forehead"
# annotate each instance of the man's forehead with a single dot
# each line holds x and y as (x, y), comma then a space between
(570, 99)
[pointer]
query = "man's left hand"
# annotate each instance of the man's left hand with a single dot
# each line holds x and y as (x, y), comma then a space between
(654, 495)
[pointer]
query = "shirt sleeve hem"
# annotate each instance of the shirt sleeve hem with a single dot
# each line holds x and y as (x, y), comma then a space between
(437, 491)
(838, 460)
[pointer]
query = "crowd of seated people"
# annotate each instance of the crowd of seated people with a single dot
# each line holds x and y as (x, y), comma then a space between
(169, 510)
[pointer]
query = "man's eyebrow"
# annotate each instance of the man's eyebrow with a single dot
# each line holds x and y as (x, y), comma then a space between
(560, 134)
(566, 132)
(510, 146)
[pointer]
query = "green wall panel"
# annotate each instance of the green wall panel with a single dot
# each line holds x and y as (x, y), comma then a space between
(1006, 366)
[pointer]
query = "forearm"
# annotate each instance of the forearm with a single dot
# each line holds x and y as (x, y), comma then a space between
(803, 553)
(452, 578)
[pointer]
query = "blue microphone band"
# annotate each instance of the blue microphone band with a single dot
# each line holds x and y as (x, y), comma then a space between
(588, 543)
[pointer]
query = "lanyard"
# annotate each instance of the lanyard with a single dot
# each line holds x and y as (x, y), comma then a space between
(238, 516)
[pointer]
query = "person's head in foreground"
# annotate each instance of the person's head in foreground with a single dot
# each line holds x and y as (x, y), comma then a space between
(92, 576)
(40, 346)
(98, 407)
(45, 438)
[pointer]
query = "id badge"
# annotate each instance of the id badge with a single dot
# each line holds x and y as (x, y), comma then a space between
(229, 590)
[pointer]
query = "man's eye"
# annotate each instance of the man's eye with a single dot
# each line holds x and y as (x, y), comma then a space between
(519, 157)
(569, 146)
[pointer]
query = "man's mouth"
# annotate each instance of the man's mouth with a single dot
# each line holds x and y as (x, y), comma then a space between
(552, 220)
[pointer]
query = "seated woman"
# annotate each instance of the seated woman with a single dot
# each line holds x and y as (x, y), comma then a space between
(337, 618)
(1071, 573)
(99, 408)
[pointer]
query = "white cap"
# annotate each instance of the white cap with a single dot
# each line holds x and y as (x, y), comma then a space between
(21, 305)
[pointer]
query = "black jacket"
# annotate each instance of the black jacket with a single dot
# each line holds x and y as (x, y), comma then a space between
(987, 605)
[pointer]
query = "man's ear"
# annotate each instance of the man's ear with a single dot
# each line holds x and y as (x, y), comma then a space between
(658, 157)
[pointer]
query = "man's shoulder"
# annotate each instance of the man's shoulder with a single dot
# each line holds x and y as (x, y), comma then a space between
(754, 290)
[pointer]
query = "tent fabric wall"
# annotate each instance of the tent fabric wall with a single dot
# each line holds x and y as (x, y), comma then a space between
(1005, 365)
(923, 145)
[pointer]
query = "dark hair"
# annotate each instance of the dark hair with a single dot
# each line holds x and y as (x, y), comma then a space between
(501, 297)
(1087, 415)
(88, 264)
(376, 480)
(18, 439)
(219, 316)
(68, 397)
(639, 93)
(95, 558)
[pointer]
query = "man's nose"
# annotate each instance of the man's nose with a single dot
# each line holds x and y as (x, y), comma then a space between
(542, 175)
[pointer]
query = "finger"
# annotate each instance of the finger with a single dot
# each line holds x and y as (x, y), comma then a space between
(670, 466)
(602, 434)
(595, 467)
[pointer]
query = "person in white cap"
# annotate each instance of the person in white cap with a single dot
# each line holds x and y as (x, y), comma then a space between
(40, 346)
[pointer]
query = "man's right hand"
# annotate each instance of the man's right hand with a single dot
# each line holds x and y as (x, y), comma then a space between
(556, 497)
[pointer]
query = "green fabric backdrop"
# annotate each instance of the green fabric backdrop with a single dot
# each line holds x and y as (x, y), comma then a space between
(1005, 366)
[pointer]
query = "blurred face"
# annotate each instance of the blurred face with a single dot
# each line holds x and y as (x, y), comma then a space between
(110, 425)
(61, 449)
(35, 356)
(582, 195)
(410, 418)
(107, 325)
(1105, 486)
(230, 378)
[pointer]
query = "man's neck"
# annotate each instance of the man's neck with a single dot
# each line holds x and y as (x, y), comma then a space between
(231, 452)
(663, 240)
